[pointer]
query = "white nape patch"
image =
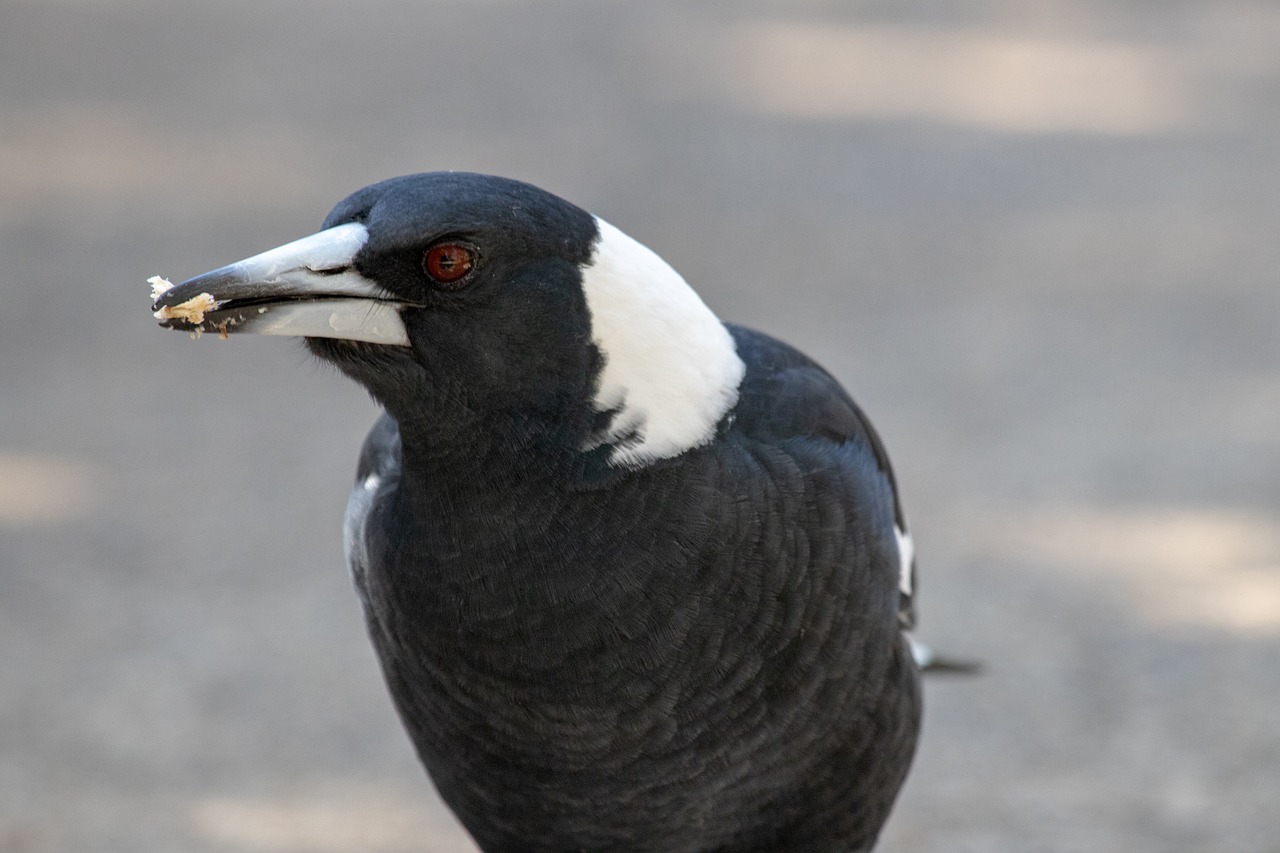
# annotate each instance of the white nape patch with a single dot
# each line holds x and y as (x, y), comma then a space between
(906, 559)
(671, 370)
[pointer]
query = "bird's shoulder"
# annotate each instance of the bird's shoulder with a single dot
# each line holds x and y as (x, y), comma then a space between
(380, 453)
(787, 395)
(377, 472)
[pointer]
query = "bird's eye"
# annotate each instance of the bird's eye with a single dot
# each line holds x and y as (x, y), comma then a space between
(448, 263)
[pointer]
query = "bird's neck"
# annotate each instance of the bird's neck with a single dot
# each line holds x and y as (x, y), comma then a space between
(490, 500)
(507, 553)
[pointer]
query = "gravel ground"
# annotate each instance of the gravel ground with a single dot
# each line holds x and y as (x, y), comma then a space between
(1037, 241)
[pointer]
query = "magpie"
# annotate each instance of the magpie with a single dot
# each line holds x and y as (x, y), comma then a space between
(637, 579)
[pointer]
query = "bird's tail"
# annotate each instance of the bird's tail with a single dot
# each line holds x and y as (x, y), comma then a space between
(930, 661)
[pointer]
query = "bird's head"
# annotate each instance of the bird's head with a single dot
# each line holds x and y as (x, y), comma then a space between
(493, 305)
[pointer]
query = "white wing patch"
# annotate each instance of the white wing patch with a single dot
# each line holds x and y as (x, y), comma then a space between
(923, 655)
(353, 540)
(671, 370)
(906, 561)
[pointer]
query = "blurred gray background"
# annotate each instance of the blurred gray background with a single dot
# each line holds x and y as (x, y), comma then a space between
(1037, 240)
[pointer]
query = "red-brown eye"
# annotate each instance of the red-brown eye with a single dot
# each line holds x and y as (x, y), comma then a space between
(448, 263)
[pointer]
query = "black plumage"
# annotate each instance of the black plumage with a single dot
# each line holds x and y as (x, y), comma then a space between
(699, 651)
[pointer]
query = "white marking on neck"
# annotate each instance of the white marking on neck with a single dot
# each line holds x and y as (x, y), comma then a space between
(671, 370)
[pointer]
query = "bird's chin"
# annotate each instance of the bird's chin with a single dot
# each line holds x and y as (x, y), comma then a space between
(360, 359)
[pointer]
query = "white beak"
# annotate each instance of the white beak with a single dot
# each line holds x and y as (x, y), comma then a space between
(307, 288)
